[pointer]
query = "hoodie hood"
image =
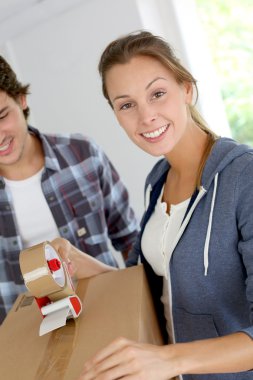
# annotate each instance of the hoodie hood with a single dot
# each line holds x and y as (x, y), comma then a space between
(224, 151)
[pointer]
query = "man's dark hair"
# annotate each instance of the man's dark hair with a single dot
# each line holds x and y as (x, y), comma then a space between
(10, 84)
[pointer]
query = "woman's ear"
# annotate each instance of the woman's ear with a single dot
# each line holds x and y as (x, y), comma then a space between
(188, 92)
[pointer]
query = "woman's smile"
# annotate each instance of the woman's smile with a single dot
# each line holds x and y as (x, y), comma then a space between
(154, 135)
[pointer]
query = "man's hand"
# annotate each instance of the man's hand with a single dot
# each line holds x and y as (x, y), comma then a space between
(80, 264)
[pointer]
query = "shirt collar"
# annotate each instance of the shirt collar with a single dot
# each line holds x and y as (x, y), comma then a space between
(51, 161)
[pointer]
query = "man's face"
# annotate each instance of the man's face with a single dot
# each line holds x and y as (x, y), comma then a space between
(13, 130)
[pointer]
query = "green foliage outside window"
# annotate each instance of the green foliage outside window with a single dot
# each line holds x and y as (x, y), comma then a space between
(229, 29)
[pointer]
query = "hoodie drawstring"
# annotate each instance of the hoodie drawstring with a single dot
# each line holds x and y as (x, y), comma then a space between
(208, 234)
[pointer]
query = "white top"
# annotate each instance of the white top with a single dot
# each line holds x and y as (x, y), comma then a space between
(159, 234)
(157, 241)
(33, 216)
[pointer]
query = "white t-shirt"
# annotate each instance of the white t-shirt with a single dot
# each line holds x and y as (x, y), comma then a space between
(157, 242)
(33, 216)
(159, 233)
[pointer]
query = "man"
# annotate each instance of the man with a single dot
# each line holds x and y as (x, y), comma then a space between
(53, 185)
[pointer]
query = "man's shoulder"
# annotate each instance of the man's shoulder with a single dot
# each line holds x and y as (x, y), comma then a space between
(68, 139)
(75, 142)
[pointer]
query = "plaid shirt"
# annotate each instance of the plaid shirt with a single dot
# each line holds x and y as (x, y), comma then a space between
(88, 201)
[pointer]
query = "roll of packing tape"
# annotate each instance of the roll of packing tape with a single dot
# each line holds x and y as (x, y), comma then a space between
(44, 272)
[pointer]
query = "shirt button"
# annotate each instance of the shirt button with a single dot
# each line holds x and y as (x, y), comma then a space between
(65, 229)
(52, 198)
(81, 232)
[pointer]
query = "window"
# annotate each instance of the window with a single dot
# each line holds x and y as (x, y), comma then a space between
(229, 30)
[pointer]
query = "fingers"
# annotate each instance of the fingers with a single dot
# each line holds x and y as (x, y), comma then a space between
(112, 373)
(113, 362)
(71, 268)
(124, 359)
(63, 247)
(115, 346)
(79, 263)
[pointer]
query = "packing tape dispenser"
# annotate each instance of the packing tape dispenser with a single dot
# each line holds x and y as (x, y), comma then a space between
(47, 278)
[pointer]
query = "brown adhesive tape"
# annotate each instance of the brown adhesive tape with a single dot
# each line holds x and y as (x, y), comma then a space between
(58, 353)
(60, 346)
(67, 290)
(38, 278)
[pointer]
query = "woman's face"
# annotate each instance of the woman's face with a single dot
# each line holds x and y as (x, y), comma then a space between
(149, 103)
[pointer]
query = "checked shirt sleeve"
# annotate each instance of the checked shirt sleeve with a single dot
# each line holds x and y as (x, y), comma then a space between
(121, 221)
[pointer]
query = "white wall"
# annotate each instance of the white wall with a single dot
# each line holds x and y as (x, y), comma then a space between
(55, 45)
(59, 57)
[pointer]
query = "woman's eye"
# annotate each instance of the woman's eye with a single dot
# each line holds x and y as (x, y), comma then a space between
(158, 94)
(126, 106)
(3, 116)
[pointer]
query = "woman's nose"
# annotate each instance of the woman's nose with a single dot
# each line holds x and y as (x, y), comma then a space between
(147, 115)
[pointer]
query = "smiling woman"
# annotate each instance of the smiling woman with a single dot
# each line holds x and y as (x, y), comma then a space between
(196, 238)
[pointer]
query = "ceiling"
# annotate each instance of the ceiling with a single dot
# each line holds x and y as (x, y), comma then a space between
(18, 15)
(9, 8)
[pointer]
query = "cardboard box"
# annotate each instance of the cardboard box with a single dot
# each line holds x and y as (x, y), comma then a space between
(115, 304)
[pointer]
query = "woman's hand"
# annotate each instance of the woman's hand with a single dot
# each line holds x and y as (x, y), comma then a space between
(124, 359)
(80, 264)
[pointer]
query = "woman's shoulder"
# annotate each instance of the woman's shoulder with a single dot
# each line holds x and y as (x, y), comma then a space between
(227, 156)
(159, 169)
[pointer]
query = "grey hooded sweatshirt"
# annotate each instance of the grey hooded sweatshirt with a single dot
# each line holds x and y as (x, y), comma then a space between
(211, 266)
